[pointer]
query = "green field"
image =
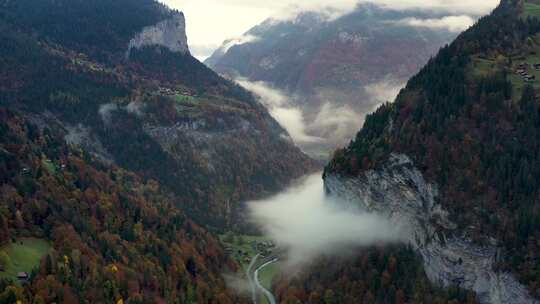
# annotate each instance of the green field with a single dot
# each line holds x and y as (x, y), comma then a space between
(483, 67)
(517, 82)
(531, 10)
(267, 274)
(241, 242)
(183, 98)
(24, 255)
(51, 168)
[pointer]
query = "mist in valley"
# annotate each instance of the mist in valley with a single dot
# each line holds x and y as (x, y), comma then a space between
(308, 224)
(321, 124)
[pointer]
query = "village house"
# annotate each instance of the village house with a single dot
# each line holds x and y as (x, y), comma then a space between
(529, 78)
(22, 276)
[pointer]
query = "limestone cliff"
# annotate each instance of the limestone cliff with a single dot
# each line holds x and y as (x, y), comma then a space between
(169, 33)
(400, 191)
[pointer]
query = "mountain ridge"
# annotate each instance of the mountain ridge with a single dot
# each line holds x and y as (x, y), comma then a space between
(129, 110)
(467, 121)
(351, 64)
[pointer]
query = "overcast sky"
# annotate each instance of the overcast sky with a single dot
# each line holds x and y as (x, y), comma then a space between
(210, 22)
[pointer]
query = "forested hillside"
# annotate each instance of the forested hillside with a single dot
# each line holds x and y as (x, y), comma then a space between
(116, 238)
(119, 152)
(335, 70)
(151, 110)
(376, 275)
(470, 122)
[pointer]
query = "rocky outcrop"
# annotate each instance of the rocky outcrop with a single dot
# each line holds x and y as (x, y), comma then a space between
(400, 191)
(169, 33)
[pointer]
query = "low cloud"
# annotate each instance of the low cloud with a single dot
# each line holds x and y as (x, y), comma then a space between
(238, 41)
(451, 23)
(135, 107)
(466, 7)
(329, 124)
(238, 283)
(328, 10)
(331, 10)
(308, 224)
(383, 91)
(203, 51)
(336, 123)
(280, 107)
(105, 111)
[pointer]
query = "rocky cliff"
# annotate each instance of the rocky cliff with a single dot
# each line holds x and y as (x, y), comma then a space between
(470, 125)
(169, 33)
(400, 192)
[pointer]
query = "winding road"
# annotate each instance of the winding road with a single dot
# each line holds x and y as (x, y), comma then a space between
(265, 291)
(251, 279)
(254, 283)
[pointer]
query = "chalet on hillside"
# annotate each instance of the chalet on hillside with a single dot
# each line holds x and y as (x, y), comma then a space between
(22, 276)
(529, 78)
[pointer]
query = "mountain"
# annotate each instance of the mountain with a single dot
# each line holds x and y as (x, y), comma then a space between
(455, 158)
(124, 87)
(122, 157)
(115, 237)
(330, 67)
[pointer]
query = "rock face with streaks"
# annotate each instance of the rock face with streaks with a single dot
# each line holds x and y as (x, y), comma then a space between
(400, 191)
(169, 33)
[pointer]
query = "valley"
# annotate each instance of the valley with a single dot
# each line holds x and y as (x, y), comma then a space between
(259, 257)
(130, 172)
(320, 78)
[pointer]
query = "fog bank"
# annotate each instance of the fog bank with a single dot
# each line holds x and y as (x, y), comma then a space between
(327, 125)
(309, 224)
(282, 109)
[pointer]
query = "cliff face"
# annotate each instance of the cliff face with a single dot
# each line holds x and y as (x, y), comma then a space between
(169, 33)
(470, 121)
(399, 191)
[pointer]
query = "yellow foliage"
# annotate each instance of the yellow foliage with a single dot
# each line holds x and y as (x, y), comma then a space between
(114, 268)
(120, 301)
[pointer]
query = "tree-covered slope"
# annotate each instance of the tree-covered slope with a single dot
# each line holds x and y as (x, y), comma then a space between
(101, 28)
(375, 275)
(115, 238)
(470, 121)
(151, 110)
